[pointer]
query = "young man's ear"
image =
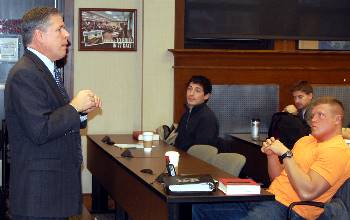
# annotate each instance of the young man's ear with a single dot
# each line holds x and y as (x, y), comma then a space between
(206, 97)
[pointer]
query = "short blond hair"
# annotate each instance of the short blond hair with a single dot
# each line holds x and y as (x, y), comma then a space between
(332, 101)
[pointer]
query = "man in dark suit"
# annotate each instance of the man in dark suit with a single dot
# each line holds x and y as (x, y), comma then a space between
(291, 124)
(44, 124)
(302, 93)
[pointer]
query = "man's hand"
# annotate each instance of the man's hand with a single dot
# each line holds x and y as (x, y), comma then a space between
(274, 167)
(98, 104)
(86, 101)
(346, 133)
(291, 109)
(273, 147)
(265, 147)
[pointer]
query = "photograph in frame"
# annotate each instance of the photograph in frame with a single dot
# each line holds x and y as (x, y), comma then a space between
(9, 49)
(324, 45)
(107, 29)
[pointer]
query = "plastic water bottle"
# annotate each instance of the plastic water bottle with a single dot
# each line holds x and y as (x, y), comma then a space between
(255, 124)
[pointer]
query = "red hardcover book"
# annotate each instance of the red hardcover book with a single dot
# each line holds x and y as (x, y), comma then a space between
(238, 186)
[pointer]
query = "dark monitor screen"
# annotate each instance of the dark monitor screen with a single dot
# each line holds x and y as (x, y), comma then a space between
(267, 19)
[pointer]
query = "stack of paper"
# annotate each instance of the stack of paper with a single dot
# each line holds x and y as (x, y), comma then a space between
(129, 145)
(347, 141)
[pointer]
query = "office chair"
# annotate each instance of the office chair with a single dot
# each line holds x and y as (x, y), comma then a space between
(337, 208)
(203, 152)
(231, 163)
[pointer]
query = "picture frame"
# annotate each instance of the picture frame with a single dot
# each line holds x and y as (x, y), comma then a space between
(9, 48)
(324, 45)
(107, 29)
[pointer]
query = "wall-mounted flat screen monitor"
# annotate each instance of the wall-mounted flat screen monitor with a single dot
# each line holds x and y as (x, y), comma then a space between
(267, 19)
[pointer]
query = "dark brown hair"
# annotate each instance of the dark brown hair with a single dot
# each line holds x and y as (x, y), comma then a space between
(303, 86)
(203, 81)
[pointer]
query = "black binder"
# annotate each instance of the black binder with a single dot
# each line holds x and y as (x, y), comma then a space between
(189, 184)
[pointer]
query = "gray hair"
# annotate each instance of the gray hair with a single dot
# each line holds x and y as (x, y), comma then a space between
(36, 18)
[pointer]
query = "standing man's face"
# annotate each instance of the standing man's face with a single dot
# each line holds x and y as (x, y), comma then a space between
(195, 95)
(301, 99)
(54, 40)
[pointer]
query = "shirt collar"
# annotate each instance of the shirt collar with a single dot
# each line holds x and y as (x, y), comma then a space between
(48, 63)
(196, 107)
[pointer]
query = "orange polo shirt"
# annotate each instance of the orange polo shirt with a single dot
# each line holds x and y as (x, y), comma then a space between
(330, 159)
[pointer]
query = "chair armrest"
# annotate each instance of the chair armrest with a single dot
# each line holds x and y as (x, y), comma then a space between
(310, 203)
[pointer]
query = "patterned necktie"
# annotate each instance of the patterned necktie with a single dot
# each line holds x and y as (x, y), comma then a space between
(59, 82)
(301, 114)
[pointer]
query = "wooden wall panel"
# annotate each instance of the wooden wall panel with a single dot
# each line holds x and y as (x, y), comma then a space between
(258, 67)
(179, 23)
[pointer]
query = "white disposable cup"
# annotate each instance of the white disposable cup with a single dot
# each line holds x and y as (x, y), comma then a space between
(147, 139)
(173, 157)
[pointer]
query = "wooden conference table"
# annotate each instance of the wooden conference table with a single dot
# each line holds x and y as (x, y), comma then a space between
(248, 138)
(256, 163)
(139, 194)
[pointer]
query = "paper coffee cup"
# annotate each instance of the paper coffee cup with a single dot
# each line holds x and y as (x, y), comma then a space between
(173, 157)
(147, 139)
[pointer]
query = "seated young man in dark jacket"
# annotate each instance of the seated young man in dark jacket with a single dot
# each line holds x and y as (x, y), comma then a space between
(198, 125)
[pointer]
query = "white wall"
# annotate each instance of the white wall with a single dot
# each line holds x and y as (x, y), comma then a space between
(158, 77)
(136, 88)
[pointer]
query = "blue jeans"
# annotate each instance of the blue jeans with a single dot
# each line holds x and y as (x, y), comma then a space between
(264, 210)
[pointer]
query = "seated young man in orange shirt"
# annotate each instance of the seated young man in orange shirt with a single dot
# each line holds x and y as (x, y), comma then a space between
(314, 170)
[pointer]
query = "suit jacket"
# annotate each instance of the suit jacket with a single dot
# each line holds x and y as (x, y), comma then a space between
(44, 142)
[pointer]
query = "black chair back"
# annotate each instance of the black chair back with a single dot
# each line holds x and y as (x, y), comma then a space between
(338, 208)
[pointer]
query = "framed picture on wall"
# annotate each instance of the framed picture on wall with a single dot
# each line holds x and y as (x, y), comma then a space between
(107, 29)
(323, 45)
(9, 48)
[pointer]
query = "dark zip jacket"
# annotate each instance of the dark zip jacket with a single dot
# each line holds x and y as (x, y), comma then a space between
(198, 126)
